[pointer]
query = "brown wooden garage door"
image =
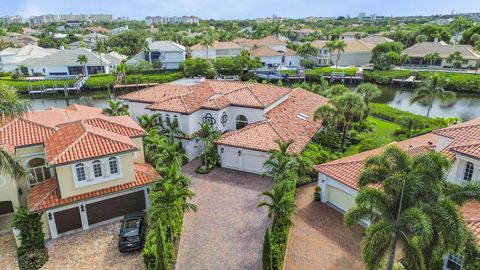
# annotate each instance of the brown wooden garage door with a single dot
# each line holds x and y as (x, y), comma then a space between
(115, 207)
(67, 220)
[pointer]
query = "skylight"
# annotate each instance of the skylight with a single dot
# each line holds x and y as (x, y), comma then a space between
(302, 116)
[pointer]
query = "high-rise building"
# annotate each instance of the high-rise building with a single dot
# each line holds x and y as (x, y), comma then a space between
(11, 19)
(151, 20)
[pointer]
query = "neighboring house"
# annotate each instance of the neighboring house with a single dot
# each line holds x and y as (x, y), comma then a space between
(12, 58)
(376, 40)
(418, 52)
(98, 29)
(349, 35)
(339, 179)
(249, 115)
(357, 53)
(217, 49)
(19, 40)
(64, 63)
(168, 53)
(89, 39)
(86, 168)
(119, 30)
(304, 33)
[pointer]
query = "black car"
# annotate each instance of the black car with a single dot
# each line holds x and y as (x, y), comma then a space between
(132, 232)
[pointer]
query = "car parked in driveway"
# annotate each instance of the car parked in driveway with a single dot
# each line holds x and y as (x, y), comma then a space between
(132, 232)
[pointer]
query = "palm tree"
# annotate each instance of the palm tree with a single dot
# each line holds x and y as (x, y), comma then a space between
(476, 48)
(146, 49)
(460, 24)
(82, 60)
(413, 195)
(207, 40)
(330, 45)
(281, 165)
(306, 49)
(281, 204)
(421, 38)
(410, 124)
(431, 90)
(172, 130)
(456, 58)
(100, 48)
(368, 91)
(277, 29)
(151, 122)
(432, 59)
(336, 45)
(343, 108)
(404, 58)
(11, 106)
(208, 135)
(116, 108)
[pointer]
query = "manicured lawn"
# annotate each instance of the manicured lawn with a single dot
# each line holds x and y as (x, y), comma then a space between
(384, 130)
(328, 70)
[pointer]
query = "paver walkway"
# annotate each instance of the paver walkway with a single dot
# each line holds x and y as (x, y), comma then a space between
(227, 230)
(318, 239)
(8, 252)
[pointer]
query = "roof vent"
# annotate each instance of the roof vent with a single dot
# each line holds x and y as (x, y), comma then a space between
(302, 116)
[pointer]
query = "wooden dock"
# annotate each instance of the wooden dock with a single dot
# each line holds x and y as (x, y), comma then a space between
(408, 81)
(77, 87)
(134, 85)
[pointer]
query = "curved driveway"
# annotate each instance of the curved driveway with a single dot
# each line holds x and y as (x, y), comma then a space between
(227, 230)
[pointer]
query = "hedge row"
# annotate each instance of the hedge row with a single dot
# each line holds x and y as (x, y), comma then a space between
(319, 71)
(153, 78)
(458, 81)
(385, 76)
(98, 82)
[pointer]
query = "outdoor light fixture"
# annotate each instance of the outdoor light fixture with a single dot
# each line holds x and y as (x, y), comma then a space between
(50, 217)
(148, 190)
(221, 150)
(196, 140)
(82, 208)
(239, 152)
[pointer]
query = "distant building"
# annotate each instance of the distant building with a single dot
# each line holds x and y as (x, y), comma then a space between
(169, 54)
(12, 58)
(349, 35)
(418, 52)
(119, 30)
(18, 40)
(51, 18)
(356, 53)
(316, 19)
(11, 19)
(151, 20)
(89, 40)
(304, 33)
(372, 17)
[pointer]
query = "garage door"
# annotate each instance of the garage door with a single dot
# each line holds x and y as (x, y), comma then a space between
(6, 207)
(253, 163)
(230, 159)
(115, 207)
(67, 220)
(340, 198)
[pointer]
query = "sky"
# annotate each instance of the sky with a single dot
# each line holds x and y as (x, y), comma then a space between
(237, 9)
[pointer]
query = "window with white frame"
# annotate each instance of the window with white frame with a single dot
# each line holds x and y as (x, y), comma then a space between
(97, 168)
(113, 164)
(454, 262)
(468, 174)
(80, 170)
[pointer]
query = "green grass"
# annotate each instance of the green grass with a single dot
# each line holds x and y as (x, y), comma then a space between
(100, 81)
(328, 70)
(153, 78)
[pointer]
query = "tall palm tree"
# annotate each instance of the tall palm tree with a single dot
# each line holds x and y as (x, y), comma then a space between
(146, 49)
(172, 130)
(432, 90)
(343, 108)
(151, 122)
(368, 91)
(281, 165)
(100, 48)
(277, 29)
(338, 46)
(306, 49)
(206, 41)
(11, 106)
(476, 48)
(456, 58)
(460, 24)
(432, 59)
(208, 135)
(281, 205)
(82, 60)
(116, 108)
(410, 124)
(330, 45)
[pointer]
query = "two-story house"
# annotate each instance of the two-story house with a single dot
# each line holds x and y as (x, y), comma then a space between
(356, 53)
(250, 117)
(85, 168)
(168, 53)
(461, 143)
(217, 49)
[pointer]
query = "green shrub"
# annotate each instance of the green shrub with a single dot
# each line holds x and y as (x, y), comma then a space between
(318, 154)
(317, 193)
(97, 82)
(457, 81)
(31, 229)
(317, 73)
(153, 78)
(385, 76)
(32, 259)
(267, 252)
(22, 85)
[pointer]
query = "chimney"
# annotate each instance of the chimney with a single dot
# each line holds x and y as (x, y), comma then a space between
(61, 48)
(435, 40)
(149, 40)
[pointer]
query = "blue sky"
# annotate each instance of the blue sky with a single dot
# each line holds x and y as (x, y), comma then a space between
(235, 9)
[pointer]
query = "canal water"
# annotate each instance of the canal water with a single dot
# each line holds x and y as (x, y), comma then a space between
(467, 106)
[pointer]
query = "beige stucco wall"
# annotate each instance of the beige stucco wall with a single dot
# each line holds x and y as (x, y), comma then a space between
(140, 154)
(45, 227)
(66, 179)
(8, 190)
(35, 149)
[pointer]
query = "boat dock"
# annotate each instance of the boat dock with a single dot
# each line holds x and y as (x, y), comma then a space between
(133, 85)
(77, 87)
(411, 81)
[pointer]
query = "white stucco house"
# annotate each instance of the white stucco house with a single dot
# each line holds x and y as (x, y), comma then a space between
(356, 53)
(339, 179)
(168, 53)
(65, 63)
(250, 117)
(12, 58)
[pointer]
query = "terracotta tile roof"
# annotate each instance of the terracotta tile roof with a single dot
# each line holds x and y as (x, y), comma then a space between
(282, 122)
(78, 141)
(209, 94)
(465, 138)
(471, 214)
(46, 195)
(347, 170)
(266, 41)
(470, 148)
(75, 133)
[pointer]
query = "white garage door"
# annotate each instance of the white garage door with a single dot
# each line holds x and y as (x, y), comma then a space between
(230, 159)
(340, 199)
(253, 163)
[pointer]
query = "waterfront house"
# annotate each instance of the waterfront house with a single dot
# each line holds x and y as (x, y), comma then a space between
(357, 53)
(418, 52)
(167, 53)
(12, 58)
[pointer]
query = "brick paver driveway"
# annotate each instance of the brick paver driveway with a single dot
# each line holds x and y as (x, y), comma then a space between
(318, 239)
(227, 230)
(8, 252)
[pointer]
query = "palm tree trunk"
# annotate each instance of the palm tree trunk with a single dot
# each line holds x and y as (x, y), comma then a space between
(338, 58)
(344, 134)
(391, 256)
(429, 108)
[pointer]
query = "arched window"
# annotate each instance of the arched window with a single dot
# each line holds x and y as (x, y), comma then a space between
(113, 164)
(38, 170)
(80, 169)
(241, 121)
(97, 168)
(467, 176)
